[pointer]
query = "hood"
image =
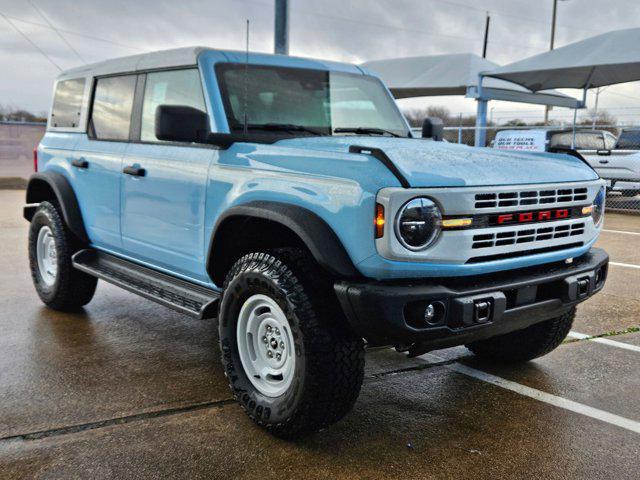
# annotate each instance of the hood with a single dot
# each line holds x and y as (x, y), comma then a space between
(426, 163)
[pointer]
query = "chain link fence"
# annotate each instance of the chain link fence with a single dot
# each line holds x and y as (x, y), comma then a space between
(17, 140)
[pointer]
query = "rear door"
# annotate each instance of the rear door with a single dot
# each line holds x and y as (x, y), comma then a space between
(97, 161)
(616, 163)
(163, 196)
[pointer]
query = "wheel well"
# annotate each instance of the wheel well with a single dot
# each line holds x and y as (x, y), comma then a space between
(240, 235)
(40, 191)
(53, 186)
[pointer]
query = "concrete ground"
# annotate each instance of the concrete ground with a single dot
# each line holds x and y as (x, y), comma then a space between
(129, 389)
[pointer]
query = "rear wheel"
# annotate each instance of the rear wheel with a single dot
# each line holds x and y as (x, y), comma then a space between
(527, 344)
(290, 359)
(51, 245)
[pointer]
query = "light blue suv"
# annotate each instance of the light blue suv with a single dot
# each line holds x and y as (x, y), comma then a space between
(288, 198)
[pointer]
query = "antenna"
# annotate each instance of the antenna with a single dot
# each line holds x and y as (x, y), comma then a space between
(246, 83)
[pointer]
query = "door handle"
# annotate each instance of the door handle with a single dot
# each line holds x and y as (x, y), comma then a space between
(603, 161)
(80, 163)
(134, 171)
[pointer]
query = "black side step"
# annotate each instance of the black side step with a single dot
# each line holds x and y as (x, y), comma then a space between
(185, 297)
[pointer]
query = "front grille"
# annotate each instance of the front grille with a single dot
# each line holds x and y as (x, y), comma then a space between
(530, 197)
(513, 237)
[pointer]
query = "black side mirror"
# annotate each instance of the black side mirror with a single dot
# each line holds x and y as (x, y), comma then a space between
(179, 123)
(433, 128)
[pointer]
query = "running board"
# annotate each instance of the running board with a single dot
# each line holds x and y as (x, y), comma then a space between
(180, 295)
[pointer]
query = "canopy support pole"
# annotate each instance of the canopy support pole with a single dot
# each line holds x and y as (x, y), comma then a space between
(573, 132)
(481, 117)
(583, 105)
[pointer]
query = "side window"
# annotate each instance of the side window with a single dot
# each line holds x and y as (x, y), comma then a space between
(67, 103)
(112, 105)
(175, 87)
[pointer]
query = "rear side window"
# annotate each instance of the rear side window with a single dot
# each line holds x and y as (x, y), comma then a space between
(67, 103)
(175, 87)
(584, 140)
(112, 106)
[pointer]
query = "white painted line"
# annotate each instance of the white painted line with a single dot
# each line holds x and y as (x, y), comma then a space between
(541, 396)
(628, 265)
(604, 341)
(621, 231)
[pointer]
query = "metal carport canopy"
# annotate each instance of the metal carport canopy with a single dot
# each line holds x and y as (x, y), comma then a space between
(605, 59)
(456, 74)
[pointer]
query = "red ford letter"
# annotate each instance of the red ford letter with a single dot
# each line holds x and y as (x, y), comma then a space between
(507, 217)
(525, 217)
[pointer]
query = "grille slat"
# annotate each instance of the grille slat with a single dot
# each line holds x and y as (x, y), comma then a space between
(530, 197)
(510, 237)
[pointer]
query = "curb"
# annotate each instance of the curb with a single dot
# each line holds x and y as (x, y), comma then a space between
(13, 183)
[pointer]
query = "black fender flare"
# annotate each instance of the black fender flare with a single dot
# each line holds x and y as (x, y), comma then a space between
(323, 243)
(39, 187)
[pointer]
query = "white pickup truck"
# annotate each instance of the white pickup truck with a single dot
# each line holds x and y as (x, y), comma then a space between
(616, 160)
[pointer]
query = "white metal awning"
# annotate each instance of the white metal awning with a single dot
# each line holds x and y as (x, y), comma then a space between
(605, 59)
(456, 74)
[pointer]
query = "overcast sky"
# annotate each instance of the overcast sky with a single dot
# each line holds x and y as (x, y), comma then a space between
(354, 31)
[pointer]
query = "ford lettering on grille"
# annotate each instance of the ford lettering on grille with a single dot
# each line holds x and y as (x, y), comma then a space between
(528, 217)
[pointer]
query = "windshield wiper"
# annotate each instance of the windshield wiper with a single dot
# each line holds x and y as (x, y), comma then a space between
(365, 131)
(284, 127)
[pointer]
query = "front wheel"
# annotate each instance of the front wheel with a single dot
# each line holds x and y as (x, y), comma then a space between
(527, 344)
(290, 359)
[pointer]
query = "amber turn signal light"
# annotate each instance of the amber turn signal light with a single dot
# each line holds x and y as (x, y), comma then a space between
(379, 221)
(456, 222)
(586, 211)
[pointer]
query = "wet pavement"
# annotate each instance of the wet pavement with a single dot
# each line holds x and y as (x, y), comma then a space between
(129, 389)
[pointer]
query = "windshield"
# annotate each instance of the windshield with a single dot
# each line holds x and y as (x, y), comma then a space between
(320, 101)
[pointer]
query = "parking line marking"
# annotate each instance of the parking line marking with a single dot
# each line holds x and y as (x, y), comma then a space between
(620, 231)
(541, 396)
(628, 265)
(604, 341)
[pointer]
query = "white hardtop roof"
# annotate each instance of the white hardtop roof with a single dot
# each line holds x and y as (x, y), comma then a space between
(187, 56)
(145, 61)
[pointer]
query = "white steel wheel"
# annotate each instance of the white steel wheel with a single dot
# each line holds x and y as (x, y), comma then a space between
(265, 345)
(47, 256)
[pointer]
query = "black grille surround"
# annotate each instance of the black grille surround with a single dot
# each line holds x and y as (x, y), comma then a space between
(493, 219)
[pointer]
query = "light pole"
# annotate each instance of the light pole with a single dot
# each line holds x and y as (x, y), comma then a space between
(281, 34)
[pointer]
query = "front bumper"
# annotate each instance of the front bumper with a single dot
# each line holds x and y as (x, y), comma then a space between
(469, 308)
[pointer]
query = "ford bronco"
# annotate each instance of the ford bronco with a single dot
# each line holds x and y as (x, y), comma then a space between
(287, 198)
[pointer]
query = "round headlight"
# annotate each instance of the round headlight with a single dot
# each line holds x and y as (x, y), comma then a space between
(418, 223)
(598, 207)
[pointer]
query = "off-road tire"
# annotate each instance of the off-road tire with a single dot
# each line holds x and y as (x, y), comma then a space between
(329, 361)
(72, 289)
(523, 345)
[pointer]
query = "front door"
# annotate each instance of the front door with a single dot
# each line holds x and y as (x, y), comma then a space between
(164, 184)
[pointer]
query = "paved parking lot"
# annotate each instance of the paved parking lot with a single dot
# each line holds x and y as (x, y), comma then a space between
(129, 389)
